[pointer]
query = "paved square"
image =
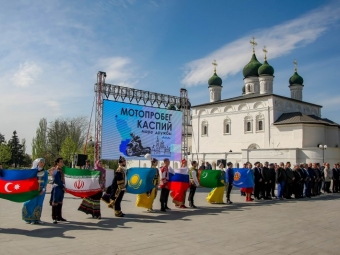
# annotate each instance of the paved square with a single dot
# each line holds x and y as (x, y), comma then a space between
(304, 226)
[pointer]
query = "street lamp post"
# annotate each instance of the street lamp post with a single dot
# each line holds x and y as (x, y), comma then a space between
(323, 147)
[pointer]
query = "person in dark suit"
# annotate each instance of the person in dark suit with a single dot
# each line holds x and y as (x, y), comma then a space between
(335, 178)
(307, 189)
(296, 182)
(322, 177)
(312, 179)
(281, 179)
(266, 181)
(303, 179)
(290, 180)
(258, 180)
(317, 179)
(273, 179)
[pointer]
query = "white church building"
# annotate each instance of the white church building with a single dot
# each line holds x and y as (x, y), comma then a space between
(260, 125)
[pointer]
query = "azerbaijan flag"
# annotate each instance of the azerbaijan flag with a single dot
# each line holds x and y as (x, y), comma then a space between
(19, 185)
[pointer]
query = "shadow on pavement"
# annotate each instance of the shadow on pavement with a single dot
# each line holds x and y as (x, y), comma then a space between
(49, 230)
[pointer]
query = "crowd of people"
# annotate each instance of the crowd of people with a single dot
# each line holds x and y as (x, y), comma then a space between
(298, 181)
(301, 180)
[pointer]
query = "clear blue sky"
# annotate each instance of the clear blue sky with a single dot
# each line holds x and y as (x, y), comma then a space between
(51, 51)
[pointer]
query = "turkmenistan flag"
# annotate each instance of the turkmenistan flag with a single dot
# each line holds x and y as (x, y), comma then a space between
(19, 185)
(211, 178)
(81, 182)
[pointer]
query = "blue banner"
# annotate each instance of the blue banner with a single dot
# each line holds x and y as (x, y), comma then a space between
(140, 180)
(243, 178)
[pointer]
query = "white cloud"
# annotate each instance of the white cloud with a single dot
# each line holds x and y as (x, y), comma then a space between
(279, 40)
(27, 73)
(120, 71)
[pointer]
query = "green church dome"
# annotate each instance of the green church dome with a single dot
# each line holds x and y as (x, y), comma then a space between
(266, 69)
(296, 79)
(251, 69)
(215, 80)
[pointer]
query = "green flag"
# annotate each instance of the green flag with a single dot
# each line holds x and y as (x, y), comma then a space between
(211, 178)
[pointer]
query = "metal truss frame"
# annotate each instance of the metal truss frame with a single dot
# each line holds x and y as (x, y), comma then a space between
(132, 95)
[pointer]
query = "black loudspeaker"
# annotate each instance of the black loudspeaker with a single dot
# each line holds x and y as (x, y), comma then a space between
(79, 159)
(223, 161)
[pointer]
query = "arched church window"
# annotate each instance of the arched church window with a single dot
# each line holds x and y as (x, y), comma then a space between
(204, 128)
(259, 123)
(248, 124)
(226, 126)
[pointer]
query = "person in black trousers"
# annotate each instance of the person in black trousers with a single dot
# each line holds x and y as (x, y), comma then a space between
(335, 178)
(193, 183)
(258, 179)
(164, 176)
(266, 181)
(272, 169)
(118, 188)
(290, 181)
(317, 179)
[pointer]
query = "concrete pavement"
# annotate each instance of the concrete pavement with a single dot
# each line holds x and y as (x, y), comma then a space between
(304, 226)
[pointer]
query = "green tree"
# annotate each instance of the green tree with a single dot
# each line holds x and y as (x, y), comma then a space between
(89, 152)
(5, 153)
(17, 153)
(61, 128)
(39, 143)
(68, 150)
(2, 139)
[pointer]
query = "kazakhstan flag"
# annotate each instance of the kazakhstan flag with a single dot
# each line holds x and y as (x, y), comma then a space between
(139, 180)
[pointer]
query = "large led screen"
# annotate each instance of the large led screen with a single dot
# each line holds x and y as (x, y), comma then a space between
(132, 131)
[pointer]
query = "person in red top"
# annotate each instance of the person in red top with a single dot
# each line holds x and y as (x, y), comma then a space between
(164, 176)
(184, 164)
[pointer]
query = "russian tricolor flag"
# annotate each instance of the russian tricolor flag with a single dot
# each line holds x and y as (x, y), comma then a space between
(178, 184)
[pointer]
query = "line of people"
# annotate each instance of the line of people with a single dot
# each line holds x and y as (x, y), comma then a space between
(301, 180)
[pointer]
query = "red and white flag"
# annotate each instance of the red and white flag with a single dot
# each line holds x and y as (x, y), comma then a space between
(81, 182)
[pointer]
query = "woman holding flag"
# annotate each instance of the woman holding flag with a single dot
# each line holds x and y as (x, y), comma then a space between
(216, 195)
(31, 211)
(250, 178)
(91, 205)
(146, 200)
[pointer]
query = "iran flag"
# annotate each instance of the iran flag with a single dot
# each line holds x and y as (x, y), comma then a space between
(81, 182)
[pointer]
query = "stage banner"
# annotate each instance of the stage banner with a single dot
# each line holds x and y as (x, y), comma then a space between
(135, 130)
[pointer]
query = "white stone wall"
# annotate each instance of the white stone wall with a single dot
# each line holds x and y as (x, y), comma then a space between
(266, 84)
(286, 136)
(252, 85)
(218, 141)
(215, 93)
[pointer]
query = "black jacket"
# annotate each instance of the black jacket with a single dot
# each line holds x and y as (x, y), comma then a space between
(257, 174)
(281, 175)
(335, 174)
(266, 174)
(290, 175)
(297, 176)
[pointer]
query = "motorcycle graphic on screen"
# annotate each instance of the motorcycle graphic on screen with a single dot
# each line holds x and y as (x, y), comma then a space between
(135, 148)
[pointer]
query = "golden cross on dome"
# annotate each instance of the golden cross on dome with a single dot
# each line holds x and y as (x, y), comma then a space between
(252, 42)
(295, 65)
(214, 64)
(265, 53)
